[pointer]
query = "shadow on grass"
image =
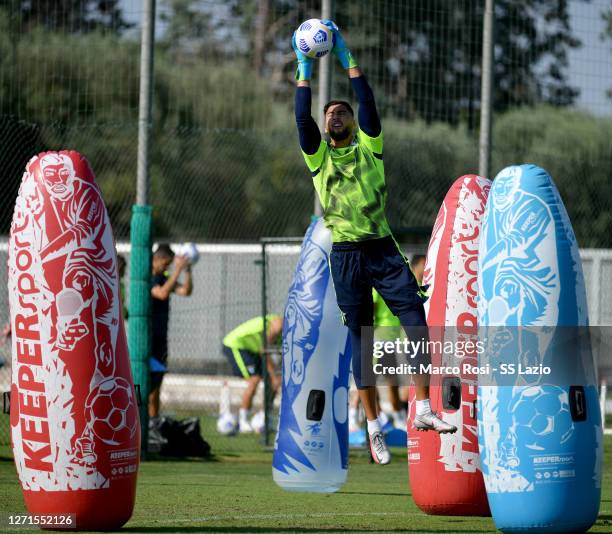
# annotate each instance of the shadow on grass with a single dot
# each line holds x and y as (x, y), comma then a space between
(152, 457)
(370, 494)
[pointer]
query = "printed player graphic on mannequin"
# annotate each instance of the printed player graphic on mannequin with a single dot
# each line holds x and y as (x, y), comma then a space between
(71, 229)
(525, 280)
(303, 311)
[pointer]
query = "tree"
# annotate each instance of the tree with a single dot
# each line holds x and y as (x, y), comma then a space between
(69, 16)
(188, 27)
(426, 54)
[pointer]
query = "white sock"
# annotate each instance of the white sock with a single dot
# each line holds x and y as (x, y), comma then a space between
(243, 414)
(423, 407)
(353, 412)
(373, 426)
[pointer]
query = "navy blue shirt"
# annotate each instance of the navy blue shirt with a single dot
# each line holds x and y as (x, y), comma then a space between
(160, 315)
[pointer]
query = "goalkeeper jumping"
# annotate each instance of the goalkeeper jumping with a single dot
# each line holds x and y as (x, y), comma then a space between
(349, 177)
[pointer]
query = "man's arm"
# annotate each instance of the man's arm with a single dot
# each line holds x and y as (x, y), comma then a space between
(186, 288)
(369, 120)
(308, 131)
(163, 292)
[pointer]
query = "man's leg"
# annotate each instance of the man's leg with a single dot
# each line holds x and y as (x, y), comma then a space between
(244, 425)
(249, 392)
(354, 296)
(158, 368)
(396, 284)
(354, 412)
(154, 396)
(399, 411)
(154, 403)
(415, 327)
(361, 348)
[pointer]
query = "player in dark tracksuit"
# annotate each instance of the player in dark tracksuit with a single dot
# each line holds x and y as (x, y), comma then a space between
(348, 174)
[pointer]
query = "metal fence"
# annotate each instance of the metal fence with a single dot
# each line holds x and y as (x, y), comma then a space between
(227, 291)
(224, 160)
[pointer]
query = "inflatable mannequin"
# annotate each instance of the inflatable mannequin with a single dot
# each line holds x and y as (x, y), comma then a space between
(540, 434)
(445, 472)
(74, 419)
(311, 448)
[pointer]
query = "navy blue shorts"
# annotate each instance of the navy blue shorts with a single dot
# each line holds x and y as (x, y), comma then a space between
(244, 363)
(356, 267)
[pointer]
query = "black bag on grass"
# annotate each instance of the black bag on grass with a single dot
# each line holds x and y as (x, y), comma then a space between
(175, 438)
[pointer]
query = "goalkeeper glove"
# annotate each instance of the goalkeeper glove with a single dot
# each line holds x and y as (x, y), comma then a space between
(304, 66)
(340, 49)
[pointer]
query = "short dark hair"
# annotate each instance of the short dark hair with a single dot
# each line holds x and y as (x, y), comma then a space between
(163, 250)
(336, 103)
(417, 258)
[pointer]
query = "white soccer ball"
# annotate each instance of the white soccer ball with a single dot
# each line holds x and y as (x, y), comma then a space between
(313, 38)
(227, 424)
(190, 251)
(258, 422)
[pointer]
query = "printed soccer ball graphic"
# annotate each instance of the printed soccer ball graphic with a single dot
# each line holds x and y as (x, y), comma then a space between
(313, 38)
(226, 424)
(111, 411)
(541, 417)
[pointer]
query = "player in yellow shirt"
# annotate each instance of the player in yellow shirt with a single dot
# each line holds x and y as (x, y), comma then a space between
(244, 349)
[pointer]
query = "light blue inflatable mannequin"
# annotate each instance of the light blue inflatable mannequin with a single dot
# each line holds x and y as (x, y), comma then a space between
(311, 448)
(540, 436)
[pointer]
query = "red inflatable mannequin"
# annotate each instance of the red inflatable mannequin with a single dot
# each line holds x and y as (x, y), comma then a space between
(74, 418)
(445, 474)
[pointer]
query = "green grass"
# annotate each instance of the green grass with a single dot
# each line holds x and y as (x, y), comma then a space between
(235, 493)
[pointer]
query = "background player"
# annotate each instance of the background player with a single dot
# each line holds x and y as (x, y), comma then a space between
(244, 349)
(348, 174)
(163, 285)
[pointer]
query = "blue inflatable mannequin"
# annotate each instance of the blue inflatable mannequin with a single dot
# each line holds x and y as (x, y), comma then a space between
(539, 433)
(311, 448)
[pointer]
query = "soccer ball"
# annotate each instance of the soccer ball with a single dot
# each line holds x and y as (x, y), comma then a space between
(226, 424)
(110, 410)
(190, 251)
(313, 38)
(541, 417)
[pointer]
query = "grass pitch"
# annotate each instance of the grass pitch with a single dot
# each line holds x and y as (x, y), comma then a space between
(235, 493)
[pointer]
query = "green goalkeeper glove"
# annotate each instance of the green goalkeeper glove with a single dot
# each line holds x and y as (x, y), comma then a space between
(340, 49)
(304, 67)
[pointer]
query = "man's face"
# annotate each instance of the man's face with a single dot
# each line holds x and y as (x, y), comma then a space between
(339, 122)
(506, 187)
(58, 178)
(161, 264)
